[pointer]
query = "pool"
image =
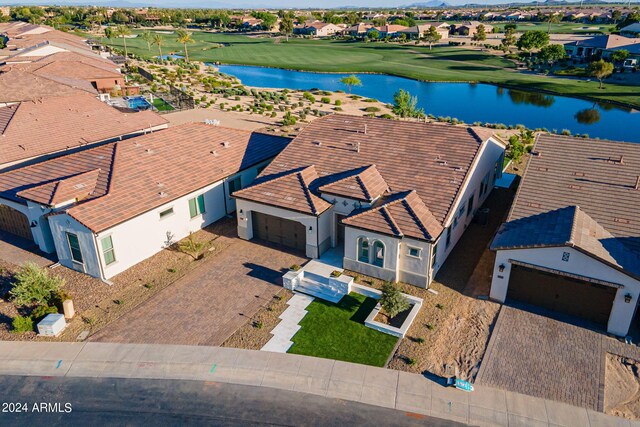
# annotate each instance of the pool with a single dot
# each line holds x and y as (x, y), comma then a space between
(137, 102)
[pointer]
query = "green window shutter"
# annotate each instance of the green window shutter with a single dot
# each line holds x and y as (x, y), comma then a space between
(201, 208)
(193, 208)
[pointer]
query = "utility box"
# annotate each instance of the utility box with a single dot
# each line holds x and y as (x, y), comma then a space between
(67, 308)
(52, 325)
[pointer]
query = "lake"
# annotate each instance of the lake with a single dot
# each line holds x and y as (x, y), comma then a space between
(466, 101)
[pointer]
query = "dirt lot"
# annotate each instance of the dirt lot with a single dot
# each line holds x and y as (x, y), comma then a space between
(622, 387)
(97, 303)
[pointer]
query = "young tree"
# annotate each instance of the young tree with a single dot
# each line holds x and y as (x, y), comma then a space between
(373, 35)
(480, 35)
(108, 33)
(351, 81)
(392, 300)
(405, 105)
(509, 37)
(552, 53)
(620, 56)
(158, 40)
(431, 36)
(286, 25)
(34, 285)
(147, 36)
(553, 18)
(600, 70)
(123, 31)
(533, 40)
(185, 38)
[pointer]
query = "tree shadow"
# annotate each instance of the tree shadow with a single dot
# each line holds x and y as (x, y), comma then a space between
(364, 310)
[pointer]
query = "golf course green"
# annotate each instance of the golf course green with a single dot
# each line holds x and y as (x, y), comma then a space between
(444, 63)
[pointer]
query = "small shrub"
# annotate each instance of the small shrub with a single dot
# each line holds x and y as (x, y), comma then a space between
(289, 119)
(338, 102)
(148, 285)
(429, 326)
(325, 100)
(171, 270)
(420, 340)
(34, 285)
(439, 306)
(258, 324)
(191, 247)
(336, 273)
(372, 110)
(369, 100)
(118, 302)
(411, 361)
(337, 108)
(90, 320)
(42, 310)
(278, 297)
(294, 267)
(392, 300)
(22, 324)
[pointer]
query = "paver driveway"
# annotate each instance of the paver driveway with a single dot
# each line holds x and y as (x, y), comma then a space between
(209, 303)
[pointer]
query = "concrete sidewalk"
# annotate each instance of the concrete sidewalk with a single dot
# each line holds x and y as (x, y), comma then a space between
(376, 386)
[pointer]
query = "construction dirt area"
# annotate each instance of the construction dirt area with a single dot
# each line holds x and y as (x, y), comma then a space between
(622, 387)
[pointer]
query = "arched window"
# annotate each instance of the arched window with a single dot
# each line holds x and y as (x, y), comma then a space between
(363, 250)
(378, 253)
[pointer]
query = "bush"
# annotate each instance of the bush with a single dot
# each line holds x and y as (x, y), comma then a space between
(369, 100)
(295, 267)
(42, 310)
(337, 108)
(392, 300)
(288, 119)
(22, 324)
(372, 110)
(325, 100)
(338, 102)
(336, 273)
(34, 285)
(191, 247)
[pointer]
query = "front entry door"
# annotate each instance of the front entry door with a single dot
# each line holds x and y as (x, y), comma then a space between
(340, 229)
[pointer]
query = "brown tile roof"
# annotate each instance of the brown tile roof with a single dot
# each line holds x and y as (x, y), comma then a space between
(54, 124)
(365, 184)
(432, 159)
(571, 227)
(73, 188)
(599, 176)
(289, 190)
(17, 85)
(139, 174)
(63, 62)
(399, 214)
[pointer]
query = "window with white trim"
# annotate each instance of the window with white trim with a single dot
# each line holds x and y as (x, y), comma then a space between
(363, 250)
(165, 213)
(196, 206)
(74, 248)
(414, 252)
(107, 250)
(378, 254)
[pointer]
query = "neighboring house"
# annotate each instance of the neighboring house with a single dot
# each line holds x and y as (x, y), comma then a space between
(470, 28)
(319, 29)
(395, 195)
(571, 242)
(5, 11)
(30, 130)
(358, 30)
(17, 85)
(104, 209)
(388, 30)
(632, 30)
(601, 46)
(418, 31)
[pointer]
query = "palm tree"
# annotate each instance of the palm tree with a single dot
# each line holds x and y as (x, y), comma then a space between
(553, 18)
(158, 40)
(185, 38)
(123, 31)
(148, 37)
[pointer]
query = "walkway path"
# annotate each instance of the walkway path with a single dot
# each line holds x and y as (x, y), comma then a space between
(289, 325)
(348, 381)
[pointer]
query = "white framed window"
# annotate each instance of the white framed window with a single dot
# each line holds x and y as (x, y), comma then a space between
(166, 213)
(378, 253)
(196, 206)
(108, 252)
(414, 252)
(363, 250)
(74, 248)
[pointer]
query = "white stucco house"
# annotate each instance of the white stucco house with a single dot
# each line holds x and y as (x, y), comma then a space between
(106, 208)
(395, 196)
(571, 243)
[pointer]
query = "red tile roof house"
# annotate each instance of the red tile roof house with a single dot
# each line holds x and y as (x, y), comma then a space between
(571, 242)
(104, 209)
(31, 130)
(395, 195)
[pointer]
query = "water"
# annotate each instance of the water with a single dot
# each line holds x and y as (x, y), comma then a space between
(466, 101)
(138, 103)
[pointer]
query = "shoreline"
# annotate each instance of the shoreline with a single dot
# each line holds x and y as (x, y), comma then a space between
(503, 85)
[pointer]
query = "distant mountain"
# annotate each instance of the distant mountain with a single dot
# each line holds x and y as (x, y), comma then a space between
(427, 4)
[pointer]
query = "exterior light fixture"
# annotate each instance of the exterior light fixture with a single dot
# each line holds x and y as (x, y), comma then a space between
(33, 224)
(311, 228)
(241, 211)
(501, 268)
(627, 298)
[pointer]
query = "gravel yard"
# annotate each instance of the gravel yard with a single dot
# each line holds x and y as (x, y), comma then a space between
(622, 387)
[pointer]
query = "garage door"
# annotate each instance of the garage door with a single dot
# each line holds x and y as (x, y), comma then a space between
(563, 294)
(14, 222)
(285, 232)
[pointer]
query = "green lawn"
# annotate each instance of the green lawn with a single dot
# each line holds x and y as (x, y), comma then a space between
(415, 62)
(337, 331)
(162, 105)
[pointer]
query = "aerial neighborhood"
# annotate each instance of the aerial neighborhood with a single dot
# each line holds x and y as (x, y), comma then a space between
(428, 209)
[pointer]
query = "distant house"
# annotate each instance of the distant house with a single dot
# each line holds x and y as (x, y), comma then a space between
(43, 127)
(393, 197)
(388, 30)
(418, 31)
(470, 28)
(571, 242)
(358, 30)
(104, 209)
(632, 30)
(5, 11)
(318, 29)
(602, 46)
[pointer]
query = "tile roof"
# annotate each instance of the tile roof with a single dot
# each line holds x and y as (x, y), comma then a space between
(73, 64)
(399, 214)
(289, 190)
(600, 176)
(432, 159)
(365, 184)
(54, 124)
(18, 85)
(606, 42)
(139, 174)
(572, 227)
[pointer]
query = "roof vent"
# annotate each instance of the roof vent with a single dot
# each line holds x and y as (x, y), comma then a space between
(226, 144)
(616, 160)
(214, 152)
(358, 147)
(162, 194)
(637, 186)
(442, 162)
(318, 143)
(290, 199)
(79, 186)
(148, 150)
(536, 153)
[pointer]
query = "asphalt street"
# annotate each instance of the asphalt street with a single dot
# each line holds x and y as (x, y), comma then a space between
(34, 401)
